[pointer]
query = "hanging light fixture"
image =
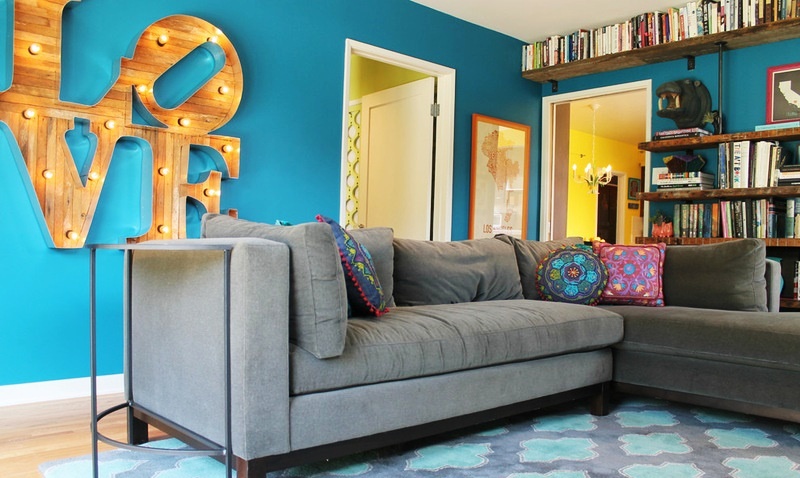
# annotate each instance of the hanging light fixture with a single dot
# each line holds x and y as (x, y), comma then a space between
(593, 176)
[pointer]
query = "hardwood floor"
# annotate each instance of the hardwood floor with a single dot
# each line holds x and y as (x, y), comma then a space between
(37, 433)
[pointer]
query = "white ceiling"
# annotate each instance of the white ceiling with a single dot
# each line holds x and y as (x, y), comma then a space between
(620, 117)
(533, 20)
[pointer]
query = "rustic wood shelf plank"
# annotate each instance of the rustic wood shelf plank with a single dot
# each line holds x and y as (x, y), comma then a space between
(705, 142)
(741, 38)
(696, 241)
(730, 193)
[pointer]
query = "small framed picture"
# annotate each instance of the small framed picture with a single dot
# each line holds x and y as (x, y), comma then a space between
(783, 93)
(634, 188)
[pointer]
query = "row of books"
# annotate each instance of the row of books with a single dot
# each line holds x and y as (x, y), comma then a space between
(696, 18)
(751, 164)
(739, 218)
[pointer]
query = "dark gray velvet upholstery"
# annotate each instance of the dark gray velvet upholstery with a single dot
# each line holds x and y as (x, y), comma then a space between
(433, 339)
(529, 254)
(318, 311)
(726, 275)
(429, 272)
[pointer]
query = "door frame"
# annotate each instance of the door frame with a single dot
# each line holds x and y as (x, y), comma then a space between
(548, 133)
(445, 97)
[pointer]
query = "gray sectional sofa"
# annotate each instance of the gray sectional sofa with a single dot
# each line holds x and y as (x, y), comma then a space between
(465, 339)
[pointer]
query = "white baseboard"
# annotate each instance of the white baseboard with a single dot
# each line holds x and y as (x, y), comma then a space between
(58, 390)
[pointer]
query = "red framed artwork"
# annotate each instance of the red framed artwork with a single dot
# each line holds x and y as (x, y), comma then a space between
(783, 93)
(499, 183)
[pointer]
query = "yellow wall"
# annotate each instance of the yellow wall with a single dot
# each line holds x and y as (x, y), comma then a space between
(368, 76)
(582, 205)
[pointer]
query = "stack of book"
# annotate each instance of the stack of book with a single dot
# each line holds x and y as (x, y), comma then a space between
(665, 180)
(774, 126)
(789, 175)
(680, 133)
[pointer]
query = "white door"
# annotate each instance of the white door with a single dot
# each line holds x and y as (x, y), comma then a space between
(396, 167)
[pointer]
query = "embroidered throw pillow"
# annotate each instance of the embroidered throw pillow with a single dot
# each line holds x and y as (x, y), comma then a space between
(364, 292)
(635, 273)
(571, 274)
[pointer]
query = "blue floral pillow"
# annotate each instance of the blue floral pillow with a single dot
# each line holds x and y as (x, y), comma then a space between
(364, 291)
(572, 274)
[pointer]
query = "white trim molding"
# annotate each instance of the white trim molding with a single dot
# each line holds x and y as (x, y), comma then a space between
(548, 153)
(25, 393)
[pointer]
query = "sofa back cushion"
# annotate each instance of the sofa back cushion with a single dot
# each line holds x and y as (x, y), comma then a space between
(726, 275)
(529, 255)
(317, 296)
(429, 272)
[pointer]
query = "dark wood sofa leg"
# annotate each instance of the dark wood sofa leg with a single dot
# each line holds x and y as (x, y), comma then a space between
(249, 468)
(138, 432)
(601, 403)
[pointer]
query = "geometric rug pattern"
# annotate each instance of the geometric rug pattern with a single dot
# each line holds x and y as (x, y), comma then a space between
(641, 438)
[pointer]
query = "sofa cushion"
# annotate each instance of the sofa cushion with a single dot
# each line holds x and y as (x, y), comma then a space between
(429, 272)
(759, 339)
(727, 275)
(364, 291)
(572, 274)
(433, 339)
(635, 273)
(529, 254)
(317, 300)
(378, 241)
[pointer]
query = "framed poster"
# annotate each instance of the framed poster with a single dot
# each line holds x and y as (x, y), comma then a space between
(499, 189)
(634, 188)
(783, 93)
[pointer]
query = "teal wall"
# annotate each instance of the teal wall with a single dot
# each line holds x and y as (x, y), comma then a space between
(289, 122)
(744, 85)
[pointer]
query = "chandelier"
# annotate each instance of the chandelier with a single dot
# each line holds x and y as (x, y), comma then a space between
(592, 175)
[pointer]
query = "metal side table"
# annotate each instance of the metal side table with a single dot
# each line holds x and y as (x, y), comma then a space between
(206, 447)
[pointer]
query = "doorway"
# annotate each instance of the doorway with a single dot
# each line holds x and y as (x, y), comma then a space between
(607, 211)
(568, 141)
(437, 219)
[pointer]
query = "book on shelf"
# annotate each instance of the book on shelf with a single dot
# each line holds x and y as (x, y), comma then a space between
(692, 19)
(738, 218)
(685, 187)
(680, 133)
(774, 126)
(750, 164)
(796, 289)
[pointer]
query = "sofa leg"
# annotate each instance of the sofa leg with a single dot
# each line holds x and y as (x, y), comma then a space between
(601, 403)
(138, 431)
(249, 468)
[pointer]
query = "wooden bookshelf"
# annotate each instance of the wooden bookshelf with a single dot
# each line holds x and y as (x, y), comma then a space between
(710, 141)
(714, 194)
(789, 303)
(741, 38)
(699, 241)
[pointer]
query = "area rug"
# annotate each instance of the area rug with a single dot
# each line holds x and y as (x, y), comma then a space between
(641, 438)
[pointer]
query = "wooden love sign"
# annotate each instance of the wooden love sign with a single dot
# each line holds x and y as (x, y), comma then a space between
(183, 81)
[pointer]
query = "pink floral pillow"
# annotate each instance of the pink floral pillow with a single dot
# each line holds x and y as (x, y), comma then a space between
(634, 273)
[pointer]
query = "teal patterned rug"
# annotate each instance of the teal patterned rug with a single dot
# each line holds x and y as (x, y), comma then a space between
(640, 439)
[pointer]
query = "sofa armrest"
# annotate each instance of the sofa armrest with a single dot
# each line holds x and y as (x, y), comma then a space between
(177, 347)
(772, 273)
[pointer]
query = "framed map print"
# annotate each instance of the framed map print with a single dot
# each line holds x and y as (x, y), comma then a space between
(499, 190)
(783, 93)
